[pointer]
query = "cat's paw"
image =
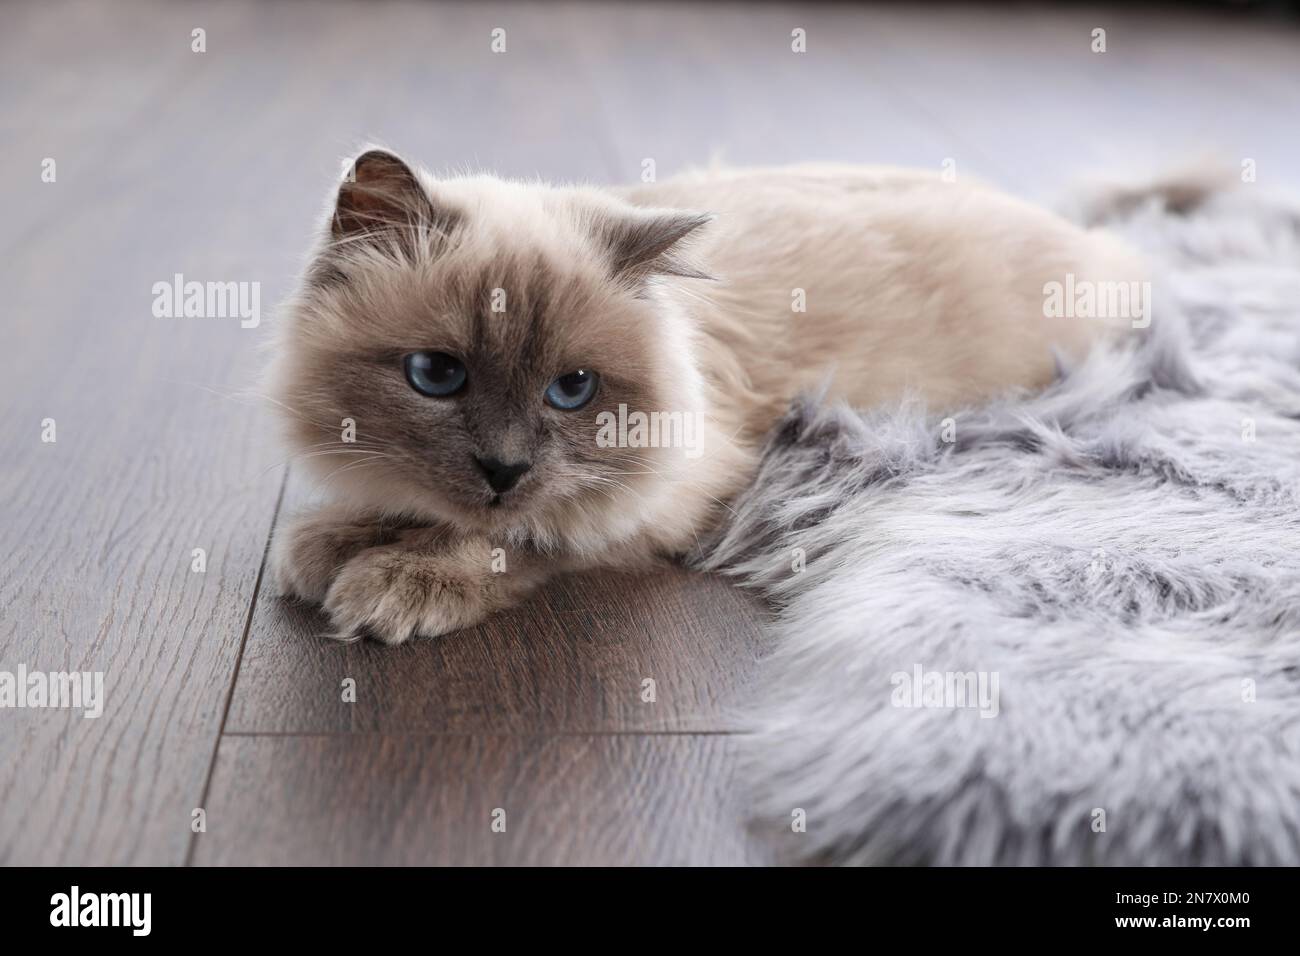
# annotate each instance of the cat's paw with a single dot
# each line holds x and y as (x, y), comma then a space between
(395, 593)
(310, 551)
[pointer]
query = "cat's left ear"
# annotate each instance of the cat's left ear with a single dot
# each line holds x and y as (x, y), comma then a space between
(382, 196)
(648, 242)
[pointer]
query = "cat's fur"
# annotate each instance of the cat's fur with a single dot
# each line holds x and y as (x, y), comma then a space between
(683, 297)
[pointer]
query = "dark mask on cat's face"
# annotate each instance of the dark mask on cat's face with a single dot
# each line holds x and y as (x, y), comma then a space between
(470, 334)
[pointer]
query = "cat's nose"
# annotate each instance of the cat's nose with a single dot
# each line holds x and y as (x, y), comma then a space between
(501, 477)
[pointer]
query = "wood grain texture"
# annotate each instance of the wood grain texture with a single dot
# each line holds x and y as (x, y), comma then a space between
(216, 166)
(98, 527)
(1031, 107)
(212, 165)
(606, 800)
(572, 659)
(690, 84)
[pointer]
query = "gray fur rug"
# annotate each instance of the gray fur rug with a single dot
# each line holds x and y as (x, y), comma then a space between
(1114, 565)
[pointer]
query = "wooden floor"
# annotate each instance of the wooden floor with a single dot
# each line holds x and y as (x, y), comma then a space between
(223, 698)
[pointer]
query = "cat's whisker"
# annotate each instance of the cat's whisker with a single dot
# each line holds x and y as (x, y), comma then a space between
(706, 494)
(597, 479)
(714, 498)
(694, 533)
(246, 397)
(352, 465)
(339, 441)
(314, 454)
(335, 451)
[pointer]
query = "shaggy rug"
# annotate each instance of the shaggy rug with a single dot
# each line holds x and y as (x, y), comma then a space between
(1063, 629)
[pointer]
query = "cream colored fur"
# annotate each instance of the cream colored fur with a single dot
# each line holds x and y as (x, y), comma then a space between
(913, 286)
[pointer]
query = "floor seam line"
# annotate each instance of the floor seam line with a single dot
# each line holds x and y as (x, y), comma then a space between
(344, 734)
(239, 661)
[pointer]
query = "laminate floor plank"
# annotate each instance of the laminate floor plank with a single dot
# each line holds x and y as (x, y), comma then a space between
(1037, 109)
(593, 652)
(100, 527)
(689, 84)
(213, 165)
(603, 800)
(216, 165)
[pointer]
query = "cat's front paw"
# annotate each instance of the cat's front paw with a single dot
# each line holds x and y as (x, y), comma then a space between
(310, 550)
(394, 593)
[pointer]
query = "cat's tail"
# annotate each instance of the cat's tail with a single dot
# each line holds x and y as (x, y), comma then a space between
(1180, 191)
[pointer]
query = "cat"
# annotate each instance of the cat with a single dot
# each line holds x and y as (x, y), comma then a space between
(550, 378)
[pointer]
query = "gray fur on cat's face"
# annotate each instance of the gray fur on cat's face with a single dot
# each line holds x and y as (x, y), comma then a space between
(521, 286)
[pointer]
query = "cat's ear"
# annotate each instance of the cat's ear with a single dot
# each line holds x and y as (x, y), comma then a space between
(646, 242)
(382, 196)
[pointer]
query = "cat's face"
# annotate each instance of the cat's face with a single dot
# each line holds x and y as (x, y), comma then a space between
(472, 337)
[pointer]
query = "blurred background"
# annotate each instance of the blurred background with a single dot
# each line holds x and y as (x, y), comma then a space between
(145, 140)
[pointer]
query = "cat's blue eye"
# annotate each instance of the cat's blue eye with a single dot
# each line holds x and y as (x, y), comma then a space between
(572, 391)
(435, 374)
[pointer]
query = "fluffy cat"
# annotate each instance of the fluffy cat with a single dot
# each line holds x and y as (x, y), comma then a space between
(549, 378)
